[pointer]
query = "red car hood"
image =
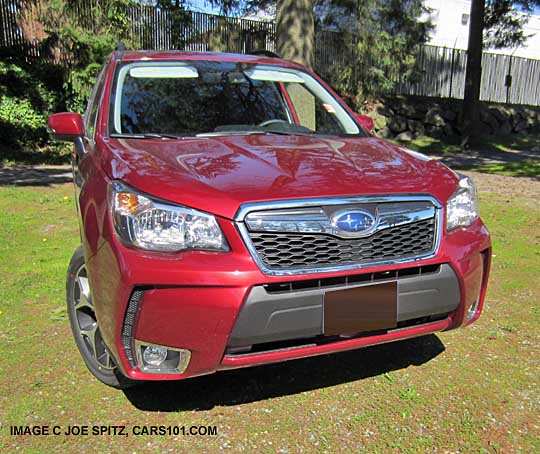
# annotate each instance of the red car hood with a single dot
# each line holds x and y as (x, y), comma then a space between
(219, 174)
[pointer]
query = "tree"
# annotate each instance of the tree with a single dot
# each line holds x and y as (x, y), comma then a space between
(179, 17)
(383, 37)
(81, 33)
(295, 30)
(496, 24)
(473, 73)
(295, 24)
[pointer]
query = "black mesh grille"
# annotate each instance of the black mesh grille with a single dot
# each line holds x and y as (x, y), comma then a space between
(280, 251)
(315, 284)
(129, 324)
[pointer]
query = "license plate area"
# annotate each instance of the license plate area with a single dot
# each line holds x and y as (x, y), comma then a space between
(355, 310)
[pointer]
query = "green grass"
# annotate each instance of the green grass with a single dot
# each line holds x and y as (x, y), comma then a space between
(508, 143)
(472, 390)
(431, 145)
(524, 168)
(530, 141)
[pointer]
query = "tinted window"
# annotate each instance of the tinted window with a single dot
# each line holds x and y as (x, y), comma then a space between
(90, 115)
(187, 106)
(198, 97)
(311, 112)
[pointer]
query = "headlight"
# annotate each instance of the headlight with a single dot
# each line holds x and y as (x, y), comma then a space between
(461, 208)
(156, 226)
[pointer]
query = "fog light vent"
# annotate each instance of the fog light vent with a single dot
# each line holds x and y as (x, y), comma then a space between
(159, 359)
(128, 327)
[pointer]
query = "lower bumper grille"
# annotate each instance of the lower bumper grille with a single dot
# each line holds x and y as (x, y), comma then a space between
(284, 251)
(128, 327)
(271, 313)
(353, 279)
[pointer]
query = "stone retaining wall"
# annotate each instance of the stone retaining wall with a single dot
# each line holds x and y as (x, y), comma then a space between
(407, 117)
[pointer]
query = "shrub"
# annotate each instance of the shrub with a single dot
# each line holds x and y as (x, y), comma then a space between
(38, 84)
(20, 124)
(28, 94)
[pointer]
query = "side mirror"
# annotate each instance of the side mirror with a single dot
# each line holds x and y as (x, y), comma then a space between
(365, 121)
(66, 126)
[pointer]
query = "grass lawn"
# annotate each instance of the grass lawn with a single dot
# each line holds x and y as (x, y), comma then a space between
(506, 143)
(470, 390)
(505, 149)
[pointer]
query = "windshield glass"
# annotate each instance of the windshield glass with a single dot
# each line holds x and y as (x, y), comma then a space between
(186, 98)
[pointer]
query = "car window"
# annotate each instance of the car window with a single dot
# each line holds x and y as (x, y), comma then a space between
(198, 97)
(90, 115)
(311, 112)
(191, 105)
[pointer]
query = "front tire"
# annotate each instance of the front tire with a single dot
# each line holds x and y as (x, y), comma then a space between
(85, 327)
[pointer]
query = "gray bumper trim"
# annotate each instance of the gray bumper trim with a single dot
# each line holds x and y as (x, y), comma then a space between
(270, 317)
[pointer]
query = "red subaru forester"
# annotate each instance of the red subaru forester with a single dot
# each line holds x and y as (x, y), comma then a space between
(234, 212)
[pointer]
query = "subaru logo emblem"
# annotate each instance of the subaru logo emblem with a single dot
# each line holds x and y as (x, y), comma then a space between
(353, 221)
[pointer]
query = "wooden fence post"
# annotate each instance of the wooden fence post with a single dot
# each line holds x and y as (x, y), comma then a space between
(508, 80)
(452, 72)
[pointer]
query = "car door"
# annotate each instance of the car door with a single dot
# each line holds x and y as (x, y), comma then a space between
(84, 147)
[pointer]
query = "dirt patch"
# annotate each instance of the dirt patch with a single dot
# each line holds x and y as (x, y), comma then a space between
(506, 186)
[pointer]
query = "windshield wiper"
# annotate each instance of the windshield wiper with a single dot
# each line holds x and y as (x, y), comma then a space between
(147, 135)
(251, 132)
(289, 133)
(155, 135)
(229, 133)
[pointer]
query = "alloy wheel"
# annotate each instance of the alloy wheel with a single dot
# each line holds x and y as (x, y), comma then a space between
(86, 322)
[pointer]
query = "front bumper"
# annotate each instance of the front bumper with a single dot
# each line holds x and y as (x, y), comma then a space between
(279, 313)
(216, 305)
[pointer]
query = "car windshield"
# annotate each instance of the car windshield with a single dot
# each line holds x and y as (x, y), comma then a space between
(187, 98)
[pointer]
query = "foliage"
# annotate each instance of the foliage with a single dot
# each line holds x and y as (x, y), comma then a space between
(27, 95)
(380, 35)
(179, 16)
(79, 86)
(33, 83)
(86, 32)
(19, 121)
(504, 21)
(386, 35)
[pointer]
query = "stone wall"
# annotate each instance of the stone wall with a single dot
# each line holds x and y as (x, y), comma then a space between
(407, 117)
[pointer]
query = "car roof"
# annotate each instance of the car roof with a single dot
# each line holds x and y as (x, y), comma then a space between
(149, 55)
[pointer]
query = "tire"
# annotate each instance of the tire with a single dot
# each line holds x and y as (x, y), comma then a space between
(85, 328)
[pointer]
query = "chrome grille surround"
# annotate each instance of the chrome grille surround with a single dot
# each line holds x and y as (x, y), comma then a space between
(391, 213)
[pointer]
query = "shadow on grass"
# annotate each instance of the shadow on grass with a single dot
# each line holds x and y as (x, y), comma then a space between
(515, 155)
(254, 384)
(529, 168)
(32, 176)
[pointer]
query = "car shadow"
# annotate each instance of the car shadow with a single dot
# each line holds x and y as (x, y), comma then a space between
(241, 386)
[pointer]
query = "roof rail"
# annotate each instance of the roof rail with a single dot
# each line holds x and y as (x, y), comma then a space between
(265, 53)
(120, 47)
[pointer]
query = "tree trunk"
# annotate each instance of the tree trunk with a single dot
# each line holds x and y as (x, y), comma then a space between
(295, 30)
(470, 111)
